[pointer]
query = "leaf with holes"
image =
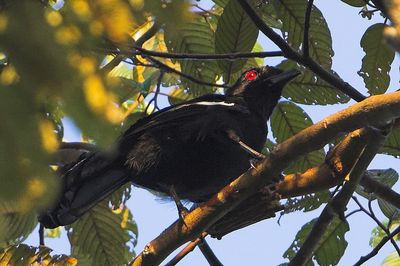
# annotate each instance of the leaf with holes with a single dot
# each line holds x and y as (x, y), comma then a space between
(392, 144)
(194, 37)
(178, 95)
(15, 226)
(292, 14)
(310, 89)
(377, 60)
(388, 177)
(24, 255)
(308, 202)
(288, 119)
(235, 33)
(330, 248)
(106, 236)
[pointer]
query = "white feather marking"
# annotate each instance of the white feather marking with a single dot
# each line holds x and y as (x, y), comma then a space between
(203, 103)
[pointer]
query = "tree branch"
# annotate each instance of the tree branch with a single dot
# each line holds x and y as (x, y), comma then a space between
(375, 111)
(229, 56)
(337, 206)
(378, 247)
(290, 53)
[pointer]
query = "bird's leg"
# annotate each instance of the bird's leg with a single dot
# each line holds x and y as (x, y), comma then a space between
(233, 136)
(182, 210)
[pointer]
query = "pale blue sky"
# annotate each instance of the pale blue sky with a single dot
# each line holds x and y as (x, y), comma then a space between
(265, 242)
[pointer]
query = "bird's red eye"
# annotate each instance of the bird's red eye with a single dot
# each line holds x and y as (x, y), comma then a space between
(251, 75)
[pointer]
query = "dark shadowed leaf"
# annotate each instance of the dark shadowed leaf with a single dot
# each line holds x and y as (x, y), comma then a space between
(331, 247)
(377, 60)
(15, 225)
(287, 120)
(310, 89)
(392, 143)
(194, 37)
(355, 3)
(387, 177)
(106, 236)
(292, 14)
(308, 202)
(389, 210)
(235, 33)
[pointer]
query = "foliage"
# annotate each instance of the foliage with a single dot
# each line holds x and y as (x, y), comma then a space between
(77, 59)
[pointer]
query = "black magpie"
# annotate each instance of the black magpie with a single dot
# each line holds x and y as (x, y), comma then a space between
(187, 151)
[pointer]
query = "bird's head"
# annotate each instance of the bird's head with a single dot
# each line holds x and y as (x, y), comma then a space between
(261, 87)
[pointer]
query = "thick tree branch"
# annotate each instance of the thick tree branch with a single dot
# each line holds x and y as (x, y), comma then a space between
(290, 53)
(375, 111)
(338, 204)
(393, 33)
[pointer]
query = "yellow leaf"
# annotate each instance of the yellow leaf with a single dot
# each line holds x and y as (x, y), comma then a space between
(49, 138)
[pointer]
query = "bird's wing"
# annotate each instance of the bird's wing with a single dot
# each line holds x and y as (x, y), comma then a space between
(187, 112)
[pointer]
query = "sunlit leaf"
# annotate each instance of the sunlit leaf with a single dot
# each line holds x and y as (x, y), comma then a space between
(392, 259)
(27, 255)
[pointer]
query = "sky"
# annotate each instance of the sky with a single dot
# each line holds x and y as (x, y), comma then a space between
(265, 242)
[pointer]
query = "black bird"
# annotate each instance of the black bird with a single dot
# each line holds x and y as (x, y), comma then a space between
(187, 151)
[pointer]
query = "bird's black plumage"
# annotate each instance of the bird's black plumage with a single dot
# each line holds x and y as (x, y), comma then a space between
(186, 147)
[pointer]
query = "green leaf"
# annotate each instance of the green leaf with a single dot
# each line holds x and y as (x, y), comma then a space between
(288, 119)
(27, 255)
(387, 177)
(355, 3)
(389, 210)
(194, 37)
(221, 3)
(308, 202)
(106, 236)
(292, 14)
(392, 259)
(235, 33)
(15, 226)
(392, 144)
(310, 89)
(331, 247)
(121, 196)
(377, 234)
(377, 60)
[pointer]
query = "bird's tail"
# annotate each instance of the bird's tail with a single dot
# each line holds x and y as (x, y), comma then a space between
(84, 184)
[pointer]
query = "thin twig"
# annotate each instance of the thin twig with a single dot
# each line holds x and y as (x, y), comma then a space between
(41, 235)
(209, 253)
(306, 49)
(227, 56)
(186, 250)
(167, 68)
(378, 247)
(372, 215)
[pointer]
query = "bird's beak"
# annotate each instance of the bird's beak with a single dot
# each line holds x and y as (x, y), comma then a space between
(284, 77)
